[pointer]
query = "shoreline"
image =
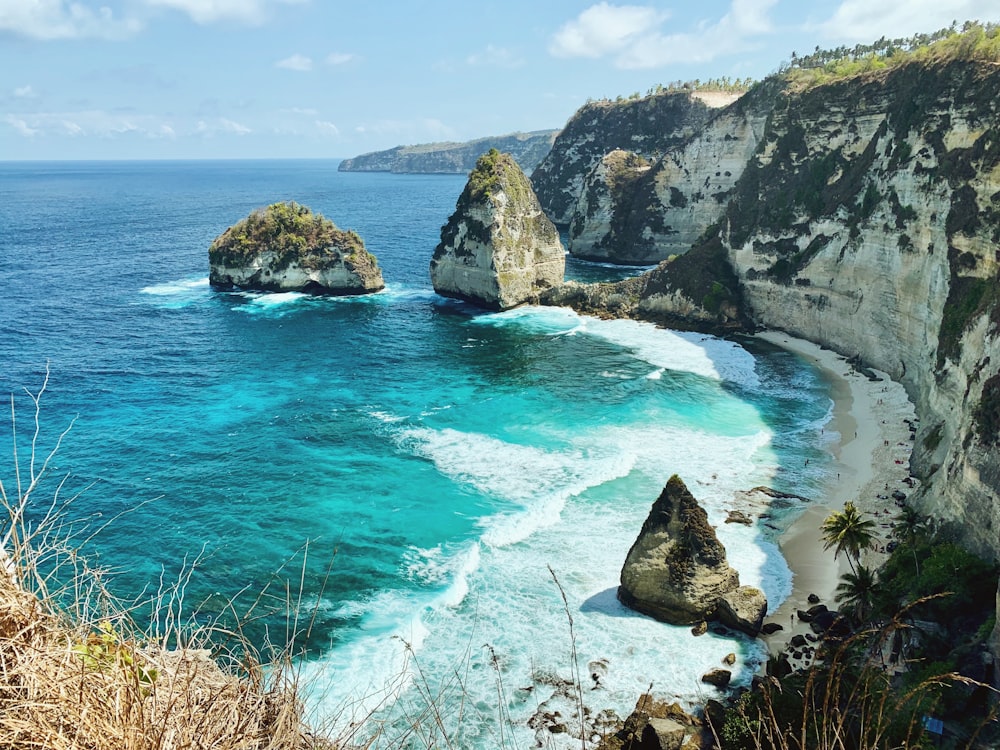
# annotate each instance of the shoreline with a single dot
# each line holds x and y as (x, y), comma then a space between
(872, 461)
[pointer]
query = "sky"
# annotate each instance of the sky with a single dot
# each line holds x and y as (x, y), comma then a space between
(195, 79)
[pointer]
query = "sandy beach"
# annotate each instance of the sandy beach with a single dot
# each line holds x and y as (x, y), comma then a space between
(873, 420)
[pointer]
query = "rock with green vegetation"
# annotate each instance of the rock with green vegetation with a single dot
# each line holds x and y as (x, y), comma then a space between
(676, 570)
(286, 247)
(528, 149)
(498, 250)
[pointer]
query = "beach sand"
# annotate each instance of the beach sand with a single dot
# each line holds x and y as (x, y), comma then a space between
(872, 456)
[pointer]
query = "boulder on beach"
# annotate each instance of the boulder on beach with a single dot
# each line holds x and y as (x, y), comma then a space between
(743, 609)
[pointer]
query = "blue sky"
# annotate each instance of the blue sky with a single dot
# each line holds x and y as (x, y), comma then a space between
(176, 79)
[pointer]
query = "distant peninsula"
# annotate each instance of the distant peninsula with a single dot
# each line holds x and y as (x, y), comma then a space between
(528, 150)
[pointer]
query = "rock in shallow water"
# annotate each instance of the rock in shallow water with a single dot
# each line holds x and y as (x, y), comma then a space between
(676, 570)
(288, 248)
(498, 250)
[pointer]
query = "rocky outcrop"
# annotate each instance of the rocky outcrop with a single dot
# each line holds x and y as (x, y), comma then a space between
(698, 290)
(285, 247)
(648, 126)
(608, 189)
(669, 206)
(676, 570)
(743, 609)
(498, 250)
(528, 149)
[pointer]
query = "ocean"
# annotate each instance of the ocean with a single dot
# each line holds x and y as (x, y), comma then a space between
(411, 473)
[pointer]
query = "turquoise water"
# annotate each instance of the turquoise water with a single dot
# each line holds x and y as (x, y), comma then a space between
(418, 464)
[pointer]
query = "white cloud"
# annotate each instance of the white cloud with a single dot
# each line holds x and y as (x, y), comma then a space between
(21, 126)
(632, 35)
(57, 19)
(496, 57)
(210, 11)
(339, 58)
(327, 128)
(307, 111)
(295, 62)
(604, 29)
(25, 92)
(231, 126)
(97, 123)
(867, 20)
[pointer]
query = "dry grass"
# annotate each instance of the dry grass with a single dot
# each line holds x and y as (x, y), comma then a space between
(76, 673)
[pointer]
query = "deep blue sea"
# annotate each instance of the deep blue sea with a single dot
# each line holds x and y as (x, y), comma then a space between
(407, 467)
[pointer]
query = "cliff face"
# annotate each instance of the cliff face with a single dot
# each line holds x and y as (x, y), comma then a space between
(863, 215)
(285, 247)
(649, 127)
(498, 249)
(528, 149)
(868, 220)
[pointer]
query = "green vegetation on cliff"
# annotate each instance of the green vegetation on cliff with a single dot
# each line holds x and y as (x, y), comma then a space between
(975, 41)
(294, 234)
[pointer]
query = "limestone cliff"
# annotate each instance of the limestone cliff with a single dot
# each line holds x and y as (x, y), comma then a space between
(528, 149)
(648, 126)
(669, 206)
(286, 247)
(865, 216)
(676, 570)
(498, 249)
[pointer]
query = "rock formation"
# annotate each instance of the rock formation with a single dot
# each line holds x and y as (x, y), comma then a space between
(528, 149)
(648, 126)
(286, 247)
(498, 249)
(609, 188)
(676, 570)
(743, 609)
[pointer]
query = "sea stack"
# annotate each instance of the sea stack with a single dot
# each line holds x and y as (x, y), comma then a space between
(498, 250)
(677, 570)
(288, 248)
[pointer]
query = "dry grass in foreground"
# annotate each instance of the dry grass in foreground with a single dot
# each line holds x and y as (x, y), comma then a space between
(77, 673)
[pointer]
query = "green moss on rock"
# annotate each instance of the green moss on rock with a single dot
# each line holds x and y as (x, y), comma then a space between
(294, 234)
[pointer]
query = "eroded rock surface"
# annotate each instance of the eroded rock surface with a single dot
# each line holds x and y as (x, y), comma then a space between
(498, 250)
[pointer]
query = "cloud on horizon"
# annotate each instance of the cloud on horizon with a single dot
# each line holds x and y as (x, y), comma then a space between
(94, 123)
(631, 35)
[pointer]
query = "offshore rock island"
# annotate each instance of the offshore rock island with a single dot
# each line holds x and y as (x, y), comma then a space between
(286, 247)
(498, 250)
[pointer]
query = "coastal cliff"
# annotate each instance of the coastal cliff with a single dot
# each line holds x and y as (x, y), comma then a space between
(648, 126)
(528, 149)
(861, 213)
(498, 250)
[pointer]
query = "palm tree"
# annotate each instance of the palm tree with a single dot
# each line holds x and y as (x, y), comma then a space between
(909, 527)
(848, 532)
(856, 593)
